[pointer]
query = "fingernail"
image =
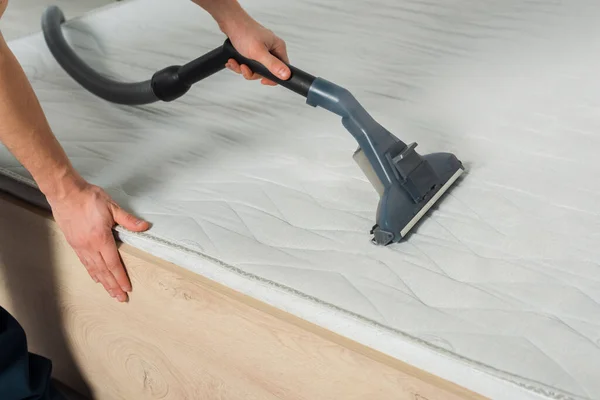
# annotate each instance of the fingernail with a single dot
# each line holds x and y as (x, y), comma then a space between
(122, 298)
(282, 73)
(126, 288)
(139, 222)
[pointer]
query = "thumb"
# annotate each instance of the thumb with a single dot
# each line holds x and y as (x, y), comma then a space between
(274, 65)
(127, 220)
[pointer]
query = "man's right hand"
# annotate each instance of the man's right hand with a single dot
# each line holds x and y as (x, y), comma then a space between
(86, 215)
(250, 39)
(254, 41)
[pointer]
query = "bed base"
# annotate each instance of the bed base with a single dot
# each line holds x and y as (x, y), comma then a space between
(180, 336)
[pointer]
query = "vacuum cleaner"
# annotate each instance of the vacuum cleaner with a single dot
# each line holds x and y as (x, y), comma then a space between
(408, 183)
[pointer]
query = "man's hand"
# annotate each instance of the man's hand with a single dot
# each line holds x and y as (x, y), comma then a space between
(250, 39)
(86, 216)
(256, 42)
(85, 213)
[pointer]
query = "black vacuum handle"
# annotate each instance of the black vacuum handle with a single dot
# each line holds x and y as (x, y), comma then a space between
(173, 82)
(298, 82)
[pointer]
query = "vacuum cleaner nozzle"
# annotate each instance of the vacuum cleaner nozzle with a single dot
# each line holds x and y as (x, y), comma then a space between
(408, 183)
(399, 211)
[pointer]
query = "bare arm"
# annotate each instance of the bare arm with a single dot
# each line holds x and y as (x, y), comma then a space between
(25, 131)
(85, 213)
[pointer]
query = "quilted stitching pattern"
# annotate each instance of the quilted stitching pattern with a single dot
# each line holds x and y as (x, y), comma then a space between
(507, 272)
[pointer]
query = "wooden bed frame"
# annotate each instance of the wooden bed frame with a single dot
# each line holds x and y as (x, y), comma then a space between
(180, 336)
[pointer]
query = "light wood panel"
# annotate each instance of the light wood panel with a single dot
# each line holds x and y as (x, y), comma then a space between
(181, 336)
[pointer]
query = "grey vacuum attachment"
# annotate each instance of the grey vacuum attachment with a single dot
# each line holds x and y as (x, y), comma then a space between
(408, 183)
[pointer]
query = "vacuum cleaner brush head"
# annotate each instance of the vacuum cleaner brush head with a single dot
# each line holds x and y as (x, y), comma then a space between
(408, 184)
(399, 210)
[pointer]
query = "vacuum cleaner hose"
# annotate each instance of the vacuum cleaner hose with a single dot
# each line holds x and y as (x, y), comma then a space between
(137, 93)
(168, 84)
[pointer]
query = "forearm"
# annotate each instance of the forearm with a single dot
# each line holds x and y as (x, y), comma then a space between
(24, 130)
(224, 12)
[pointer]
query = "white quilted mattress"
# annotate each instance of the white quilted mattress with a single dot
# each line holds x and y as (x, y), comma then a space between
(497, 290)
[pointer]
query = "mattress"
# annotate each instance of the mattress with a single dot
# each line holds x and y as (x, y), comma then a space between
(498, 289)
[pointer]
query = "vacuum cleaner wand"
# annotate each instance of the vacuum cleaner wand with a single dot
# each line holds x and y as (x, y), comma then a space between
(407, 182)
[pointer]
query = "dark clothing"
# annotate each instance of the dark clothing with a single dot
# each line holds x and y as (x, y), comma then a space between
(23, 376)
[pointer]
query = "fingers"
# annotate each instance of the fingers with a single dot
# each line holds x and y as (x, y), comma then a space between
(113, 264)
(279, 49)
(243, 70)
(87, 218)
(101, 273)
(127, 220)
(267, 82)
(247, 73)
(274, 64)
(89, 265)
(114, 271)
(105, 266)
(275, 60)
(108, 280)
(234, 66)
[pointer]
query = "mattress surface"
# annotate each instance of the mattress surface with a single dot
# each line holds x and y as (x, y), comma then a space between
(249, 186)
